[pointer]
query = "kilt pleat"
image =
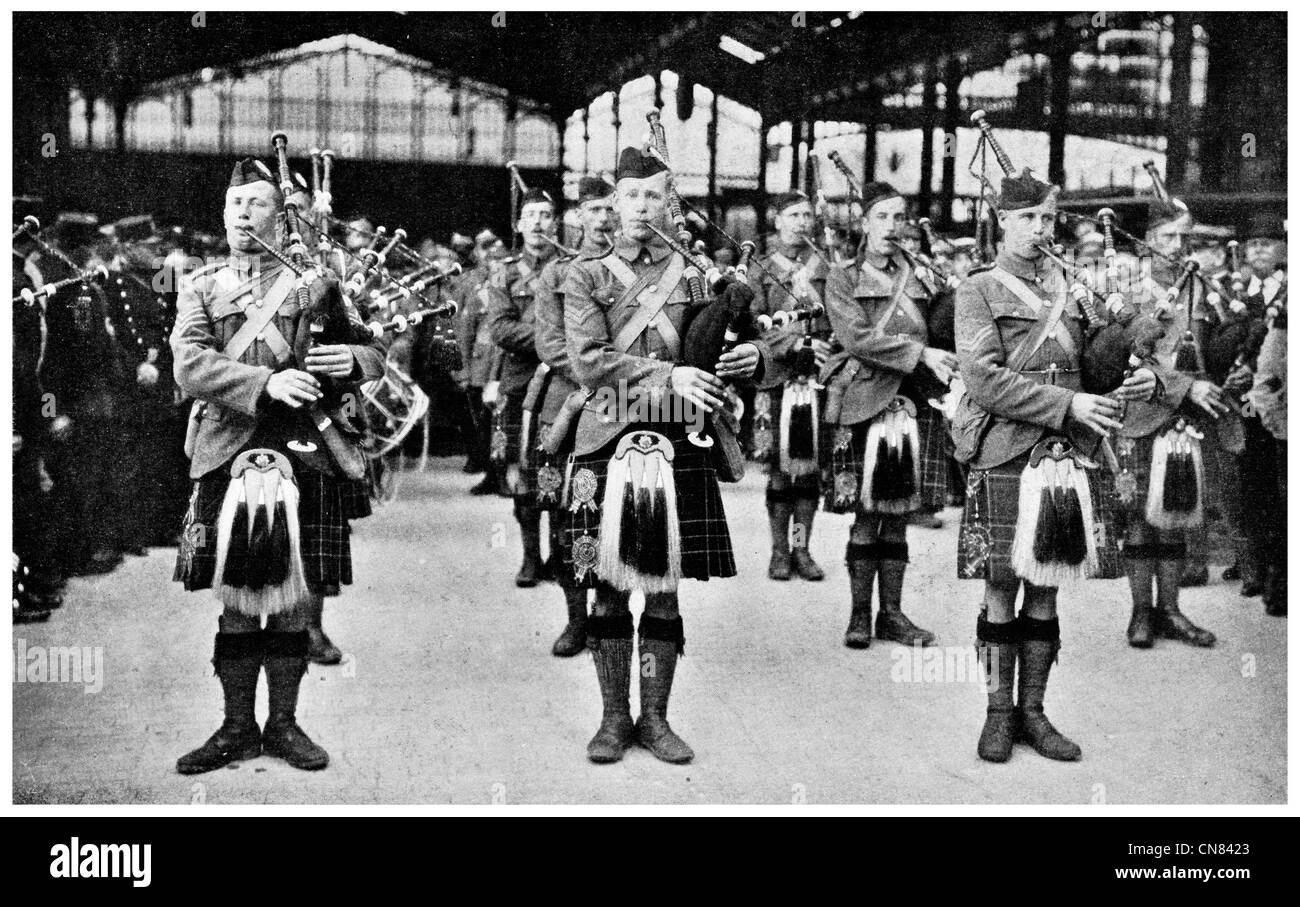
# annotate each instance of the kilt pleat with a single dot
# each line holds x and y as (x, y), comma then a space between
(988, 523)
(702, 521)
(323, 506)
(507, 432)
(848, 458)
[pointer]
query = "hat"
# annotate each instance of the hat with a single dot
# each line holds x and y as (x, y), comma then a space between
(1162, 212)
(877, 192)
(1024, 191)
(1266, 224)
(461, 241)
(497, 251)
(787, 199)
(635, 164)
(535, 195)
(964, 244)
(135, 229)
(485, 237)
(76, 230)
(251, 170)
(593, 187)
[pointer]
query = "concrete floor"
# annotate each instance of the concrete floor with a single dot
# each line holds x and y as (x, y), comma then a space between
(449, 693)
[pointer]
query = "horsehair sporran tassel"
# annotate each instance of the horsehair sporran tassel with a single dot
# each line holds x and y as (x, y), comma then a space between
(1176, 496)
(640, 543)
(1054, 540)
(260, 513)
(801, 429)
(259, 533)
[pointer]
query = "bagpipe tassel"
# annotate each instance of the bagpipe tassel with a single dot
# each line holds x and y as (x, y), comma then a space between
(1055, 540)
(640, 539)
(1175, 499)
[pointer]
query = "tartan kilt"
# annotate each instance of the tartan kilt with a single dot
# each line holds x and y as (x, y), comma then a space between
(507, 436)
(702, 522)
(547, 472)
(988, 523)
(767, 443)
(324, 506)
(847, 458)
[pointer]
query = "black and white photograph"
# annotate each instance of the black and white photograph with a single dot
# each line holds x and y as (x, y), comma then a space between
(677, 409)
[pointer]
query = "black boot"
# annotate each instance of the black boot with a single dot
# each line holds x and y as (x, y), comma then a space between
(237, 658)
(530, 572)
(998, 646)
(610, 640)
(320, 648)
(1140, 569)
(862, 564)
(805, 508)
(779, 512)
(891, 622)
(1275, 591)
(1039, 642)
(573, 639)
(662, 641)
(1170, 622)
(286, 663)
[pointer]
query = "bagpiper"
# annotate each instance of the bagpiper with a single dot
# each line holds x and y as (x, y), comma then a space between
(888, 456)
(1161, 489)
(645, 510)
(267, 527)
(792, 276)
(554, 398)
(511, 320)
(1033, 514)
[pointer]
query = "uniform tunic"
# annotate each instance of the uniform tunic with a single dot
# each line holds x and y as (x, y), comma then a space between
(239, 416)
(858, 294)
(802, 272)
(1026, 407)
(512, 321)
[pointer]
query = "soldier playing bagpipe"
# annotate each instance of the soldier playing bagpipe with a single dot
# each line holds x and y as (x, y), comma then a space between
(791, 277)
(554, 399)
(644, 505)
(1161, 485)
(276, 476)
(511, 319)
(888, 454)
(1034, 514)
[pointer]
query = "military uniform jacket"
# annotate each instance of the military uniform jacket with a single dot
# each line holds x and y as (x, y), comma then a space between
(548, 306)
(1142, 417)
(593, 317)
(512, 321)
(991, 322)
(472, 333)
(210, 309)
(857, 296)
(802, 272)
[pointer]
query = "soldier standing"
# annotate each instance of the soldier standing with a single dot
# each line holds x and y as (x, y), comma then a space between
(1024, 420)
(888, 454)
(561, 398)
(645, 510)
(792, 275)
(1155, 533)
(233, 346)
(511, 320)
